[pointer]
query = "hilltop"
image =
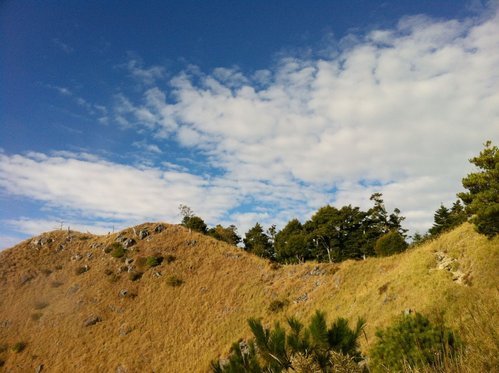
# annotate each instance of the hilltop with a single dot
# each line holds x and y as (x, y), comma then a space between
(78, 308)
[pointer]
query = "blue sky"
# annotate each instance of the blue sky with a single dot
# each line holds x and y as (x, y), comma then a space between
(113, 113)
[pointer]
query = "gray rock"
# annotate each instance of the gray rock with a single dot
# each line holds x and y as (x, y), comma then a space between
(91, 320)
(76, 257)
(39, 368)
(302, 298)
(125, 329)
(159, 228)
(143, 233)
(129, 242)
(123, 293)
(121, 369)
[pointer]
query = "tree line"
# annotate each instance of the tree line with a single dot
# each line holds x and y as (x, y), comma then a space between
(335, 234)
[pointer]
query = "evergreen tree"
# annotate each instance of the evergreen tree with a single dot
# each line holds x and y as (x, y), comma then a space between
(228, 234)
(441, 220)
(258, 243)
(278, 350)
(482, 198)
(291, 243)
(195, 223)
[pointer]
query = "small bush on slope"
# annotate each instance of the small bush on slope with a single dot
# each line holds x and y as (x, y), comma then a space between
(412, 342)
(300, 349)
(390, 243)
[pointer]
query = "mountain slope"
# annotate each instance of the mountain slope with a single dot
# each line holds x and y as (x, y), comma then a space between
(51, 286)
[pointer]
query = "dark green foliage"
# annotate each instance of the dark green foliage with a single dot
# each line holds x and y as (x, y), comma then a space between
(276, 348)
(446, 219)
(195, 223)
(19, 347)
(153, 261)
(291, 243)
(117, 250)
(258, 243)
(391, 243)
(414, 341)
(482, 198)
(337, 234)
(228, 234)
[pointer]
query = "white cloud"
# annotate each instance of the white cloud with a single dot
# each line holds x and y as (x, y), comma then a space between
(405, 107)
(144, 75)
(400, 108)
(105, 190)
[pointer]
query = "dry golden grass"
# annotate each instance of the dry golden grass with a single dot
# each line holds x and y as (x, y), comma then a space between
(157, 327)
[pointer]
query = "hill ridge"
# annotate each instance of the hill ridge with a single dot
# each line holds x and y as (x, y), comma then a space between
(155, 324)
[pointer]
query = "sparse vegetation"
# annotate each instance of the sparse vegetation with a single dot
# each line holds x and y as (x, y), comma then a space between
(36, 316)
(56, 284)
(174, 281)
(135, 276)
(170, 258)
(19, 347)
(117, 250)
(277, 305)
(40, 305)
(412, 342)
(82, 269)
(153, 261)
(46, 271)
(278, 350)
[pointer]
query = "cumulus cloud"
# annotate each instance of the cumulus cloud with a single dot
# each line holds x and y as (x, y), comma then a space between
(400, 108)
(105, 190)
(397, 111)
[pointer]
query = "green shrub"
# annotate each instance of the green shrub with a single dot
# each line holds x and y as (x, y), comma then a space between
(174, 281)
(117, 250)
(316, 348)
(153, 261)
(412, 341)
(391, 243)
(19, 346)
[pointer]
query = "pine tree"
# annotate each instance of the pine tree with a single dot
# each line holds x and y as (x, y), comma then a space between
(482, 198)
(258, 243)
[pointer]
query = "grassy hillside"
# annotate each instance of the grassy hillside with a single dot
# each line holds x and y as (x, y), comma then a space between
(51, 285)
